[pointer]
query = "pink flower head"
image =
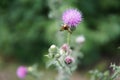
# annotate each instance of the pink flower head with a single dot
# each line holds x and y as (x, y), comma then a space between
(65, 47)
(72, 17)
(22, 72)
(69, 60)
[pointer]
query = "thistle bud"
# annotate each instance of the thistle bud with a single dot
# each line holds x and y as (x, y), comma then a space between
(53, 50)
(69, 60)
(65, 47)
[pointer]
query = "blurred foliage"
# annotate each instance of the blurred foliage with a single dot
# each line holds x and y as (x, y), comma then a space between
(97, 75)
(29, 27)
(22, 28)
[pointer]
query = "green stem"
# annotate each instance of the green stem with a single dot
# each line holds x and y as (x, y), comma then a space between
(115, 75)
(60, 63)
(68, 38)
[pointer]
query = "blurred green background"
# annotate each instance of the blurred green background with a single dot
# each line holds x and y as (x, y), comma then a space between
(29, 27)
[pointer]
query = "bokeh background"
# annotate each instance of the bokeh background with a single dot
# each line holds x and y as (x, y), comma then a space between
(29, 27)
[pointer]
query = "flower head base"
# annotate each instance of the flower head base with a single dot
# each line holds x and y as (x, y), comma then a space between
(72, 17)
(22, 72)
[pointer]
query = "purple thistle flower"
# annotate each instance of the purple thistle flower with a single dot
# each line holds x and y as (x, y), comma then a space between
(22, 72)
(72, 17)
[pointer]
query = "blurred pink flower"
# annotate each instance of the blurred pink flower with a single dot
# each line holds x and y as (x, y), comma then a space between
(22, 72)
(80, 39)
(72, 17)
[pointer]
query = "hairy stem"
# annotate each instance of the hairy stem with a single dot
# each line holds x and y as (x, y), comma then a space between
(68, 38)
(60, 63)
